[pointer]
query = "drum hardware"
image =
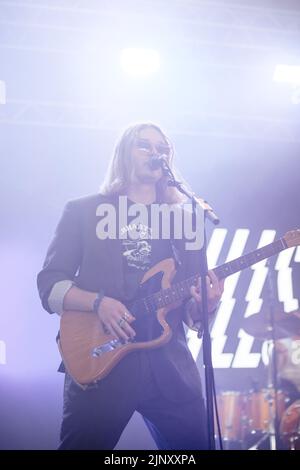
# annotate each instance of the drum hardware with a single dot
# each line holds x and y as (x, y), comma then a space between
(250, 420)
(266, 407)
(285, 325)
(257, 414)
(247, 418)
(260, 411)
(272, 324)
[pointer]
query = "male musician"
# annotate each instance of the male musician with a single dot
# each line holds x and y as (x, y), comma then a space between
(95, 265)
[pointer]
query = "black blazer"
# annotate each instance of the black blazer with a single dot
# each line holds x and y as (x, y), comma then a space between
(76, 253)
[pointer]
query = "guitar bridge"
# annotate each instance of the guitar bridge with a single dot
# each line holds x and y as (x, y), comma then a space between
(107, 347)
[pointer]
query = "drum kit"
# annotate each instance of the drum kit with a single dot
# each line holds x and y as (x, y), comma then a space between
(264, 418)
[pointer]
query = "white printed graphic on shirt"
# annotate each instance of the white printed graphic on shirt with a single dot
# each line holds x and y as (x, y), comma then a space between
(136, 248)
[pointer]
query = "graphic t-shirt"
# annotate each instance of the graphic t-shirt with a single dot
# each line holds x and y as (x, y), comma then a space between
(141, 251)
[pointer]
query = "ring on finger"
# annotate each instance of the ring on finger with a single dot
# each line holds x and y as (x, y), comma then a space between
(125, 316)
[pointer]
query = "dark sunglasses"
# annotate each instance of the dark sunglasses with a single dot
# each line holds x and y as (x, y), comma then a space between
(150, 149)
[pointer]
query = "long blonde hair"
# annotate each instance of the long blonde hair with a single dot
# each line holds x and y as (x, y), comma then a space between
(120, 169)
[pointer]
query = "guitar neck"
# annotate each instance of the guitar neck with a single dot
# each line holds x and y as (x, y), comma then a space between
(181, 290)
(249, 259)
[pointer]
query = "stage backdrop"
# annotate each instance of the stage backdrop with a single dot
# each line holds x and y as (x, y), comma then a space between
(236, 133)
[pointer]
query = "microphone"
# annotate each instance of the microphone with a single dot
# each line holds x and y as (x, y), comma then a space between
(156, 161)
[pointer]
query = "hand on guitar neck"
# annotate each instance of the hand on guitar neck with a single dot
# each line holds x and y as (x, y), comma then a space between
(215, 288)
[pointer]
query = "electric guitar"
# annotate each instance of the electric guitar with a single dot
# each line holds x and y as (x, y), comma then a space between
(89, 353)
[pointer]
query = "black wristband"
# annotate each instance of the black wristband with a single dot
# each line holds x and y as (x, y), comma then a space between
(97, 301)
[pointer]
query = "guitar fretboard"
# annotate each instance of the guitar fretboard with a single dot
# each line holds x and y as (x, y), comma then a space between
(181, 290)
(251, 258)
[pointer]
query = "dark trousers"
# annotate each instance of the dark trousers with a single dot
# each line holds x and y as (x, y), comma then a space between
(96, 417)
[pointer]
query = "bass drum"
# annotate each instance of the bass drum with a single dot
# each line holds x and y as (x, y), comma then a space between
(290, 426)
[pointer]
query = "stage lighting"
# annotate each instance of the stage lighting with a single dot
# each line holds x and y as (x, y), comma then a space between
(138, 62)
(2, 92)
(287, 73)
(295, 98)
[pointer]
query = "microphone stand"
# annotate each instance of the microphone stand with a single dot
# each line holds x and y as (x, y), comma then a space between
(273, 372)
(207, 359)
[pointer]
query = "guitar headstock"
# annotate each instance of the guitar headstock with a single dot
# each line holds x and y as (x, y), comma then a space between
(292, 238)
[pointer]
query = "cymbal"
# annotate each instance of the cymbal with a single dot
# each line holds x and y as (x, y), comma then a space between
(285, 325)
